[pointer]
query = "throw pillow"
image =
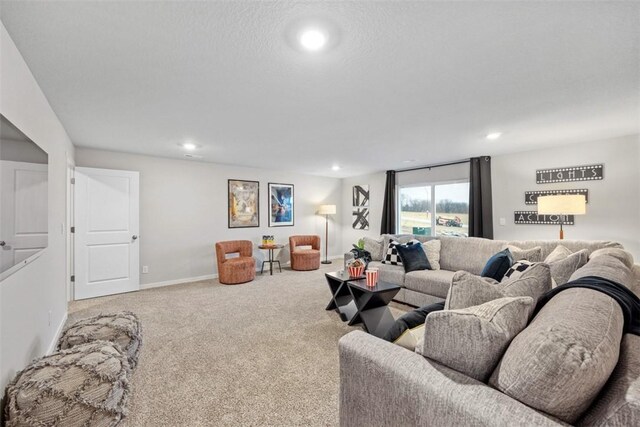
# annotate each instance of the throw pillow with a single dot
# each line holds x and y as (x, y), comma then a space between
(392, 256)
(517, 269)
(374, 247)
(621, 254)
(472, 340)
(86, 385)
(432, 249)
(561, 361)
(467, 290)
(498, 265)
(409, 328)
(533, 254)
(562, 270)
(413, 257)
(121, 328)
(558, 254)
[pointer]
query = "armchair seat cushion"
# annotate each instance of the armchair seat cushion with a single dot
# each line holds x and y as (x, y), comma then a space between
(432, 282)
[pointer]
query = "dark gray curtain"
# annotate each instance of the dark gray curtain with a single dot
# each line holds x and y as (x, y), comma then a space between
(480, 205)
(389, 207)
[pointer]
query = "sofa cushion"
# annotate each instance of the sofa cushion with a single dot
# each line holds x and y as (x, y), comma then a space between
(531, 254)
(432, 282)
(517, 269)
(375, 247)
(432, 249)
(621, 254)
(389, 273)
(86, 385)
(560, 362)
(408, 329)
(607, 267)
(472, 340)
(573, 245)
(467, 253)
(121, 328)
(468, 290)
(413, 257)
(558, 254)
(619, 402)
(562, 270)
(392, 256)
(498, 265)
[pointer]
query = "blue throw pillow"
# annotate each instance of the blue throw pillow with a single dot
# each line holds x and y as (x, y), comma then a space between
(498, 265)
(413, 257)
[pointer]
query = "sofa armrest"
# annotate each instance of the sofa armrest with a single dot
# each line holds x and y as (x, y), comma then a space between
(383, 384)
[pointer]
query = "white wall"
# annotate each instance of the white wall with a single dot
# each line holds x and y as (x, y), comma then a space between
(613, 212)
(183, 210)
(33, 303)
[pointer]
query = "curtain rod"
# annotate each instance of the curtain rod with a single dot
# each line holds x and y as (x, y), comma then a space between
(435, 166)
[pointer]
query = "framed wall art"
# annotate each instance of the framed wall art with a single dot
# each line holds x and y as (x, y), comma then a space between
(360, 196)
(281, 205)
(244, 203)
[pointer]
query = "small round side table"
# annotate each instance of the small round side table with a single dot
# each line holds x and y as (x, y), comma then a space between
(270, 248)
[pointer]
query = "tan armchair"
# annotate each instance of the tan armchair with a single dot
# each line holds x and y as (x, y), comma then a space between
(305, 259)
(232, 271)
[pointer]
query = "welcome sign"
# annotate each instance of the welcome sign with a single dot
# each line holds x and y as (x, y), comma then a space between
(570, 174)
(532, 217)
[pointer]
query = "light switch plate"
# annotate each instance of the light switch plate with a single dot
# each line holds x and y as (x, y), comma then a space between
(503, 221)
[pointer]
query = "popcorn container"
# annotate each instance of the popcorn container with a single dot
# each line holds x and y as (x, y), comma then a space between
(356, 271)
(372, 277)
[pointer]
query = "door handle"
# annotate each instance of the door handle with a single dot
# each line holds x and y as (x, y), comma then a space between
(134, 237)
(2, 243)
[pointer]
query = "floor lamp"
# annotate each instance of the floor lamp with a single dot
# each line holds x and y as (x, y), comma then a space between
(326, 210)
(562, 205)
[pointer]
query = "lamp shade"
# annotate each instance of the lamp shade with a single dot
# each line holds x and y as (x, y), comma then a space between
(562, 204)
(327, 210)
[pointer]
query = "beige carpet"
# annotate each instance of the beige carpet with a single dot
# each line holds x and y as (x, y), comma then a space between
(261, 353)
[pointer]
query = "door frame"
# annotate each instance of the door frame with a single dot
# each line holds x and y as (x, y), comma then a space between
(69, 224)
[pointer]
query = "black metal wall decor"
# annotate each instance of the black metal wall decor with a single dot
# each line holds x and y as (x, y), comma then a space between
(532, 217)
(570, 174)
(531, 197)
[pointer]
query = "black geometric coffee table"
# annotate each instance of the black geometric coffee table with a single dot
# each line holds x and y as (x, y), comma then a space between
(341, 298)
(356, 302)
(372, 305)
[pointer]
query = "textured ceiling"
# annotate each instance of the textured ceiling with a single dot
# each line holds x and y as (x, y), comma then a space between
(400, 80)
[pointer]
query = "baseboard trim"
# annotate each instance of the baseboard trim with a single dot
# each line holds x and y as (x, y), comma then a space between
(53, 345)
(177, 281)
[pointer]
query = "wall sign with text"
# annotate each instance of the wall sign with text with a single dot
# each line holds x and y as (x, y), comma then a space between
(531, 197)
(570, 174)
(532, 217)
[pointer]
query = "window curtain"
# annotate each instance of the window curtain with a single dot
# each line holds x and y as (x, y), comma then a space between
(389, 206)
(480, 205)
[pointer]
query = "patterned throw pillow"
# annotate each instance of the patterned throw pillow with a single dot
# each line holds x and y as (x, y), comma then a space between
(517, 269)
(392, 257)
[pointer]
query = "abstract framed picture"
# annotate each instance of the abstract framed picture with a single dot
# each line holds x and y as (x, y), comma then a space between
(244, 203)
(360, 218)
(281, 205)
(360, 196)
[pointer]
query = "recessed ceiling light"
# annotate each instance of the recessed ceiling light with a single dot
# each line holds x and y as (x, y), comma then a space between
(189, 146)
(313, 39)
(335, 167)
(494, 135)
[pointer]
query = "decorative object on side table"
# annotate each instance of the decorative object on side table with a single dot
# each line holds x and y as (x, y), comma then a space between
(268, 240)
(356, 268)
(244, 206)
(562, 205)
(372, 277)
(281, 205)
(326, 210)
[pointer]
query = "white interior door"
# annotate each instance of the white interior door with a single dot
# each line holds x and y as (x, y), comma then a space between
(106, 232)
(24, 199)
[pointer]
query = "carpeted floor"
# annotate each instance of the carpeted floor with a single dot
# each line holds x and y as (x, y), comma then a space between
(261, 353)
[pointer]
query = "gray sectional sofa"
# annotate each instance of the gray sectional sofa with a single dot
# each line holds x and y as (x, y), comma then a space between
(570, 365)
(456, 253)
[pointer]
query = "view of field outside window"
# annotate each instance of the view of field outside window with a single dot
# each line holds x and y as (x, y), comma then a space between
(449, 215)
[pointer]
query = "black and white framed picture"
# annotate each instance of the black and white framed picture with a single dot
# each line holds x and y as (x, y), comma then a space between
(531, 197)
(281, 205)
(533, 217)
(360, 218)
(570, 174)
(360, 196)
